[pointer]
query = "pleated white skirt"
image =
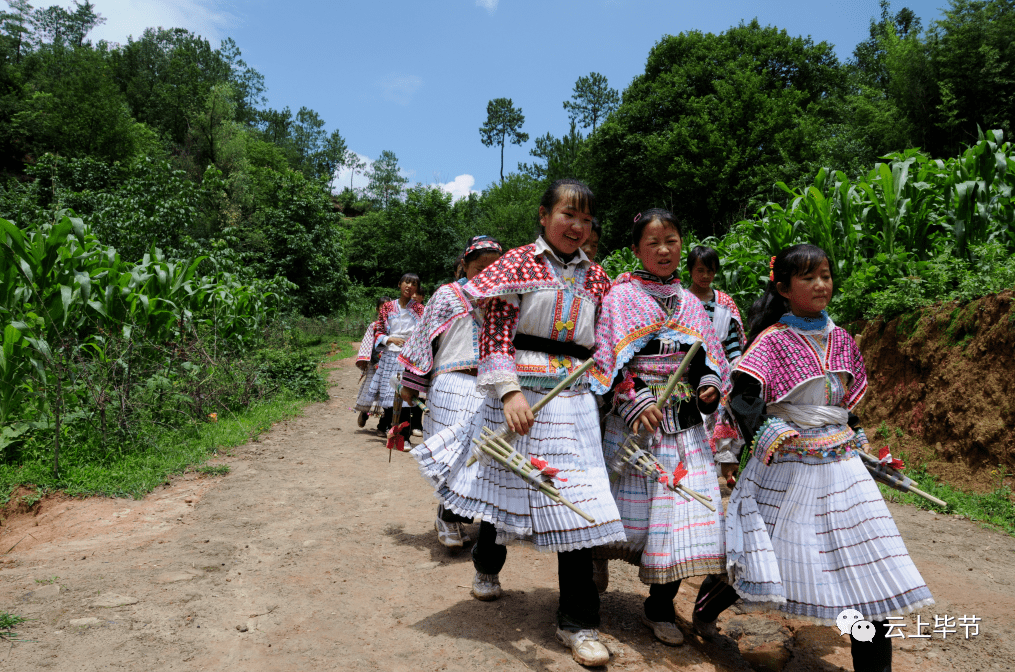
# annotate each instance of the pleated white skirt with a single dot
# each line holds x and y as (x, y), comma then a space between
(668, 537)
(367, 401)
(813, 536)
(380, 386)
(566, 435)
(454, 406)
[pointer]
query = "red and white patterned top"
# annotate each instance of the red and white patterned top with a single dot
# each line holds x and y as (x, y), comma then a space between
(530, 290)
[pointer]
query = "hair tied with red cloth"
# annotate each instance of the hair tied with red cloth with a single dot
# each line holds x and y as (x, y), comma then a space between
(771, 269)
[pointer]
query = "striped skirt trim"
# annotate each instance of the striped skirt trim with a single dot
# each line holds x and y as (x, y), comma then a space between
(668, 537)
(812, 536)
(454, 406)
(380, 387)
(566, 435)
(366, 401)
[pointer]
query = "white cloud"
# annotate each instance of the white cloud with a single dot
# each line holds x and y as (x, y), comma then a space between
(461, 186)
(490, 5)
(359, 180)
(400, 88)
(124, 18)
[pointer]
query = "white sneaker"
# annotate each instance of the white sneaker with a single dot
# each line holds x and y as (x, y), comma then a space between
(462, 533)
(417, 433)
(448, 534)
(601, 574)
(586, 649)
(486, 587)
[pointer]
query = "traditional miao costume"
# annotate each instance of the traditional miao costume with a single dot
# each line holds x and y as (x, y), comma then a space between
(725, 316)
(638, 347)
(808, 532)
(441, 359)
(539, 324)
(729, 327)
(393, 322)
(367, 359)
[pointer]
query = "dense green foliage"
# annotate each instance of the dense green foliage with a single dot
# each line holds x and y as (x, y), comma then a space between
(912, 231)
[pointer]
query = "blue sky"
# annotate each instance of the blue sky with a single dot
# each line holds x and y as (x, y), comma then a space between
(414, 77)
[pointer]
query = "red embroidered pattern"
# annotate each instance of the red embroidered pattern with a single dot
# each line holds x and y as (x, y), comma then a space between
(499, 326)
(392, 308)
(520, 271)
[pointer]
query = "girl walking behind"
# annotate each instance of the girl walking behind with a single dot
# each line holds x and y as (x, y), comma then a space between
(396, 321)
(441, 359)
(647, 325)
(366, 361)
(541, 302)
(703, 263)
(807, 531)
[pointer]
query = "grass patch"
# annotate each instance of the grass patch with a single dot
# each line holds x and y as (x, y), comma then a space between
(8, 622)
(136, 471)
(213, 469)
(994, 508)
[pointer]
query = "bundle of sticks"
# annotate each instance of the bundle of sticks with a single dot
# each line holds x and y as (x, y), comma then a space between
(496, 445)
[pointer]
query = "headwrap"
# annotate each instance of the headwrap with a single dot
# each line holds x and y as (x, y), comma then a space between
(482, 243)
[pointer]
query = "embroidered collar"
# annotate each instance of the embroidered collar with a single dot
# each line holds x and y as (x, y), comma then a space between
(649, 277)
(807, 324)
(542, 247)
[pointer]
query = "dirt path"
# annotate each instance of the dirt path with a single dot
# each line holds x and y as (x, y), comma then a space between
(316, 554)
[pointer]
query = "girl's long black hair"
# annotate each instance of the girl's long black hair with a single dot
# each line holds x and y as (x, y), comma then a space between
(795, 260)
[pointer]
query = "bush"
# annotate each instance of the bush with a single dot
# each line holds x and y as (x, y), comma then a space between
(291, 370)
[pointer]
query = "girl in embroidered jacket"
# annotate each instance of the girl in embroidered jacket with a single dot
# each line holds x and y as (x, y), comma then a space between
(703, 264)
(647, 325)
(366, 361)
(807, 530)
(541, 302)
(396, 321)
(441, 359)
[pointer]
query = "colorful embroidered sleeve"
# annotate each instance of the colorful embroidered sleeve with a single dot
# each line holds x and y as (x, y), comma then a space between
(366, 345)
(735, 339)
(381, 325)
(496, 350)
(858, 387)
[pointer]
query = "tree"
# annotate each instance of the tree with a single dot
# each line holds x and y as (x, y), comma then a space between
(972, 52)
(166, 75)
(386, 181)
(591, 101)
(561, 156)
(355, 166)
(17, 26)
(711, 125)
(246, 82)
(56, 25)
(503, 123)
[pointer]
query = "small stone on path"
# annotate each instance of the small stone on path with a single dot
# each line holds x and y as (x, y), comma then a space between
(80, 622)
(112, 600)
(46, 592)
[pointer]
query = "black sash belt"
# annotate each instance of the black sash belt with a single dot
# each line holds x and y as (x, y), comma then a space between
(550, 346)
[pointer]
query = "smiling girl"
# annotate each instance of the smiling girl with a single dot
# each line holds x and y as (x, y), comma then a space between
(541, 302)
(648, 324)
(808, 532)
